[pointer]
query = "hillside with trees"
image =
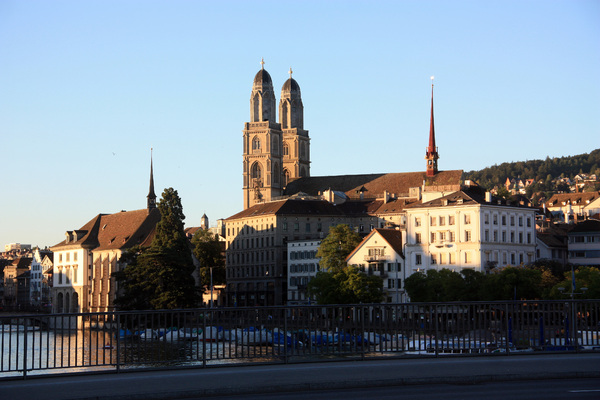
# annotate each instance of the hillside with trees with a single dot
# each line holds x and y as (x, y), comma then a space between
(546, 173)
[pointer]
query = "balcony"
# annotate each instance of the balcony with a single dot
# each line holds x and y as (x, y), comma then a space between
(374, 257)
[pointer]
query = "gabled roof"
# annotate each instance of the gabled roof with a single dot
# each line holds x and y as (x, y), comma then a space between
(373, 185)
(21, 262)
(393, 237)
(115, 231)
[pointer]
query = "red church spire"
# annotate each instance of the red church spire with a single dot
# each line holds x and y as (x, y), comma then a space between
(431, 154)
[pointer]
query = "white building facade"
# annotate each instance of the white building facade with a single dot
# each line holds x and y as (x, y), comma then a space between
(467, 230)
(303, 265)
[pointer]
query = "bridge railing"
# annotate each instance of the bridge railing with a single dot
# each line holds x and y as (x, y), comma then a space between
(94, 342)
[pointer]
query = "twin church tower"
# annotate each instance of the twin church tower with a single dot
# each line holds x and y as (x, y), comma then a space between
(274, 152)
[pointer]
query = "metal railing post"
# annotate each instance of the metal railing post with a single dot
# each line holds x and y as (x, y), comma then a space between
(118, 337)
(25, 327)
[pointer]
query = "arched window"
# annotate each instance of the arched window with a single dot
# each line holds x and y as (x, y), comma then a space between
(276, 174)
(303, 150)
(256, 143)
(256, 172)
(286, 177)
(275, 146)
(286, 150)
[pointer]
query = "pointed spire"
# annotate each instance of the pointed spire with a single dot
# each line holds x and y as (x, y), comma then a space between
(151, 196)
(431, 154)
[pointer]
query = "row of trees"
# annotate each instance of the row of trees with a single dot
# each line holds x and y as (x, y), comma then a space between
(509, 283)
(161, 276)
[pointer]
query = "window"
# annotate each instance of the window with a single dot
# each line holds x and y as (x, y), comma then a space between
(296, 227)
(256, 143)
(467, 219)
(417, 259)
(504, 220)
(442, 236)
(286, 150)
(432, 237)
(512, 220)
(528, 222)
(417, 221)
(467, 236)
(529, 238)
(495, 236)
(308, 227)
(520, 237)
(442, 221)
(486, 235)
(75, 256)
(433, 221)
(451, 259)
(503, 237)
(451, 220)
(495, 219)
(467, 257)
(433, 258)
(452, 237)
(486, 219)
(512, 259)
(68, 257)
(391, 283)
(417, 237)
(285, 226)
(520, 221)
(512, 237)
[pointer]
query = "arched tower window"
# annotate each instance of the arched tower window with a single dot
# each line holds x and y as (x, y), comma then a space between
(286, 177)
(286, 150)
(256, 144)
(275, 146)
(284, 115)
(276, 174)
(303, 150)
(256, 172)
(255, 108)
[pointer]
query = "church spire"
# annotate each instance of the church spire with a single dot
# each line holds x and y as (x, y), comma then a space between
(431, 154)
(151, 196)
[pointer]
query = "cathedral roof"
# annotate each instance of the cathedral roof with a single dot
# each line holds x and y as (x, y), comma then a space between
(291, 86)
(374, 184)
(262, 78)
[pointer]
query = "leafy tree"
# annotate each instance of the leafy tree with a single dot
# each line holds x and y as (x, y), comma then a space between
(514, 283)
(209, 253)
(160, 276)
(347, 285)
(585, 277)
(334, 249)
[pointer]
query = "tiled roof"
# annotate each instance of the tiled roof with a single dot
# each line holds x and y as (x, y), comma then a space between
(290, 206)
(583, 199)
(468, 196)
(553, 237)
(22, 262)
(589, 225)
(394, 206)
(116, 231)
(374, 184)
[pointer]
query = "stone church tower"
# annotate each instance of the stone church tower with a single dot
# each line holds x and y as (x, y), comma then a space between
(274, 153)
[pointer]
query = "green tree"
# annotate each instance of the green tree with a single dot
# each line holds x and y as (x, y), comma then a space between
(160, 276)
(347, 285)
(338, 245)
(209, 253)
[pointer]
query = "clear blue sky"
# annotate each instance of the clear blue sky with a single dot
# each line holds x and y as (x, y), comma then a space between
(88, 87)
